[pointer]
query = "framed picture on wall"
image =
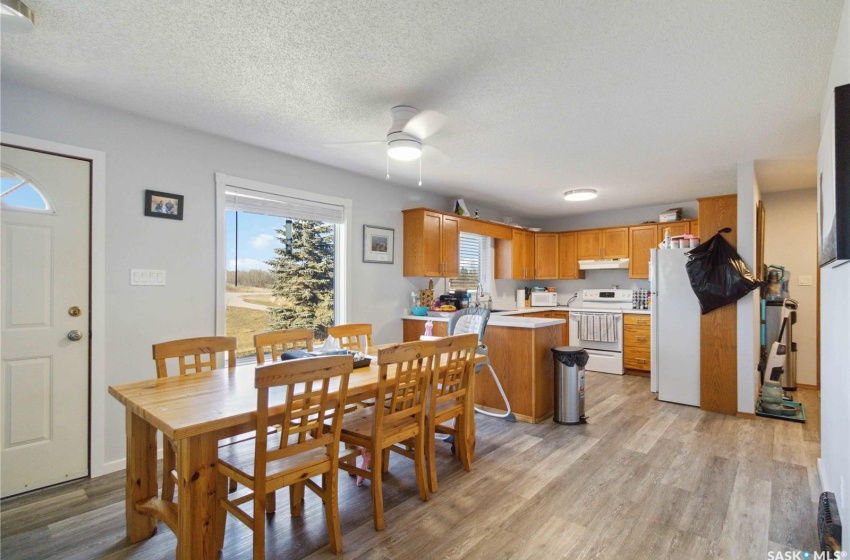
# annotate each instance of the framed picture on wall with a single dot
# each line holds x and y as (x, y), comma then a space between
(164, 205)
(834, 182)
(378, 244)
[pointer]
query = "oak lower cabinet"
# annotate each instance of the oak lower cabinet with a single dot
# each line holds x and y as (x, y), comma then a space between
(522, 359)
(637, 342)
(412, 329)
(568, 257)
(515, 257)
(565, 328)
(610, 243)
(431, 244)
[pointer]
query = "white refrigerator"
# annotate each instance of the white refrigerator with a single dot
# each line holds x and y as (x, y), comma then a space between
(675, 338)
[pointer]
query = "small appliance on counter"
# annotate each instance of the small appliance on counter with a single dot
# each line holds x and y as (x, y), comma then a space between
(454, 297)
(544, 299)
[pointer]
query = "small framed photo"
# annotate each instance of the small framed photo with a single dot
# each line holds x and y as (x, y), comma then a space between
(164, 205)
(378, 243)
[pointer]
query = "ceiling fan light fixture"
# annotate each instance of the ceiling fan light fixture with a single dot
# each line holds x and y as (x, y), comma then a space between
(577, 195)
(404, 149)
(16, 16)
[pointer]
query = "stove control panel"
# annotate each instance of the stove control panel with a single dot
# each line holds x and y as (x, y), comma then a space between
(607, 296)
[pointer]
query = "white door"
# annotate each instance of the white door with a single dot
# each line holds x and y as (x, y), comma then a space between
(44, 393)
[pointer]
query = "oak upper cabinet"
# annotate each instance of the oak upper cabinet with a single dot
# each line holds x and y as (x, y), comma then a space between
(695, 228)
(515, 257)
(568, 257)
(676, 228)
(615, 243)
(546, 256)
(641, 240)
(611, 243)
(589, 244)
(431, 243)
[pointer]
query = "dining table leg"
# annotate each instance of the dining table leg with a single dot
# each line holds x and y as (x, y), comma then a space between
(197, 524)
(141, 476)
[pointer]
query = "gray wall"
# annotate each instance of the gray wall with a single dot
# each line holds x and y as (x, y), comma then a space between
(146, 154)
(834, 466)
(619, 217)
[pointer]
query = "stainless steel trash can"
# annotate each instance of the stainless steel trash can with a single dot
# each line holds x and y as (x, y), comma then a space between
(569, 384)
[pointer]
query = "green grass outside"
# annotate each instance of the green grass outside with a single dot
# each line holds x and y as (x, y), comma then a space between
(244, 324)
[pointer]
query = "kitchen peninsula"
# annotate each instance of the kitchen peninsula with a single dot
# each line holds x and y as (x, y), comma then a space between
(521, 354)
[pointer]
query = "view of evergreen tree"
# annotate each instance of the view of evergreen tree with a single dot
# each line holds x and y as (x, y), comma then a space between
(304, 277)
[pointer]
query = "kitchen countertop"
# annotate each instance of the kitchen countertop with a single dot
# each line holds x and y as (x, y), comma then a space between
(637, 311)
(504, 319)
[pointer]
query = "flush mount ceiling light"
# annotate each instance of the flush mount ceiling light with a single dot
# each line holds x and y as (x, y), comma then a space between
(16, 17)
(404, 149)
(580, 194)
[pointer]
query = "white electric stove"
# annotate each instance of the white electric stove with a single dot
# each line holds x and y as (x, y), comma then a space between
(602, 311)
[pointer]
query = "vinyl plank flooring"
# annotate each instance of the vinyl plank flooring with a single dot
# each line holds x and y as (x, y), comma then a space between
(706, 509)
(643, 479)
(787, 505)
(745, 529)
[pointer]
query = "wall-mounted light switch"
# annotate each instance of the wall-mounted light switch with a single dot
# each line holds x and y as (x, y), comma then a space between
(804, 281)
(142, 277)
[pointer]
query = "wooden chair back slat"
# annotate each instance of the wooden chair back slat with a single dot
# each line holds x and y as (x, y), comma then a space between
(413, 364)
(202, 351)
(307, 383)
(349, 336)
(455, 355)
(282, 341)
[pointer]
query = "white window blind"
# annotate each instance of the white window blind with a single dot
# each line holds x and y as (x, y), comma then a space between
(241, 199)
(475, 263)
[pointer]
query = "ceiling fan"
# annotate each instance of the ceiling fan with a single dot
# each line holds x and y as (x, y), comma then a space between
(406, 137)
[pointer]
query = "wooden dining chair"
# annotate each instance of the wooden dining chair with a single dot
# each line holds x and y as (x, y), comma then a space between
(453, 366)
(282, 341)
(405, 371)
(202, 351)
(349, 336)
(306, 447)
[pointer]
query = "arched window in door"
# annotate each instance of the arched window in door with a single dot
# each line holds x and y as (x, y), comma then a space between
(18, 192)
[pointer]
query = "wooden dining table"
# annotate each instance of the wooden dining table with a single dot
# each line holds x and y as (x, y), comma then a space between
(196, 411)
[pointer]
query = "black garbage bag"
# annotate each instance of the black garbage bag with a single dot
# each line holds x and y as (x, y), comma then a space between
(718, 274)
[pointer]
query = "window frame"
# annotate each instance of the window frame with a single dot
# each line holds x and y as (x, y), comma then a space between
(342, 249)
(485, 264)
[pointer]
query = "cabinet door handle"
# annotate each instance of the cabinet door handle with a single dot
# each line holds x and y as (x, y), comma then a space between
(641, 338)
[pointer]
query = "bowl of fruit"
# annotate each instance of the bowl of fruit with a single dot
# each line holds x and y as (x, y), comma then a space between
(442, 310)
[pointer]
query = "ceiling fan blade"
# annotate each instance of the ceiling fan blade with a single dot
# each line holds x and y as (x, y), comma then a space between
(425, 124)
(434, 155)
(347, 144)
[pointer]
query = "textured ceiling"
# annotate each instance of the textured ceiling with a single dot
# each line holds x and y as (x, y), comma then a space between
(647, 102)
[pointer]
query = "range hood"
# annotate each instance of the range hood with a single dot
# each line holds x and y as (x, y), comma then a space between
(600, 264)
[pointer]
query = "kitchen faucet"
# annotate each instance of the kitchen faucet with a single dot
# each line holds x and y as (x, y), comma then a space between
(479, 291)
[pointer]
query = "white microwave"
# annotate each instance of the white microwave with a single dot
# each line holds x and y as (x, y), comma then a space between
(544, 299)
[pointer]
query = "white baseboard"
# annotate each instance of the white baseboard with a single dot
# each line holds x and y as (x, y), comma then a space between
(118, 465)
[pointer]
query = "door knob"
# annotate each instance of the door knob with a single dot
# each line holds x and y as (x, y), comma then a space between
(75, 335)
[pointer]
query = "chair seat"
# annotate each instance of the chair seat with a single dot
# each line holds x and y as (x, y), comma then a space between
(239, 458)
(357, 426)
(446, 410)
